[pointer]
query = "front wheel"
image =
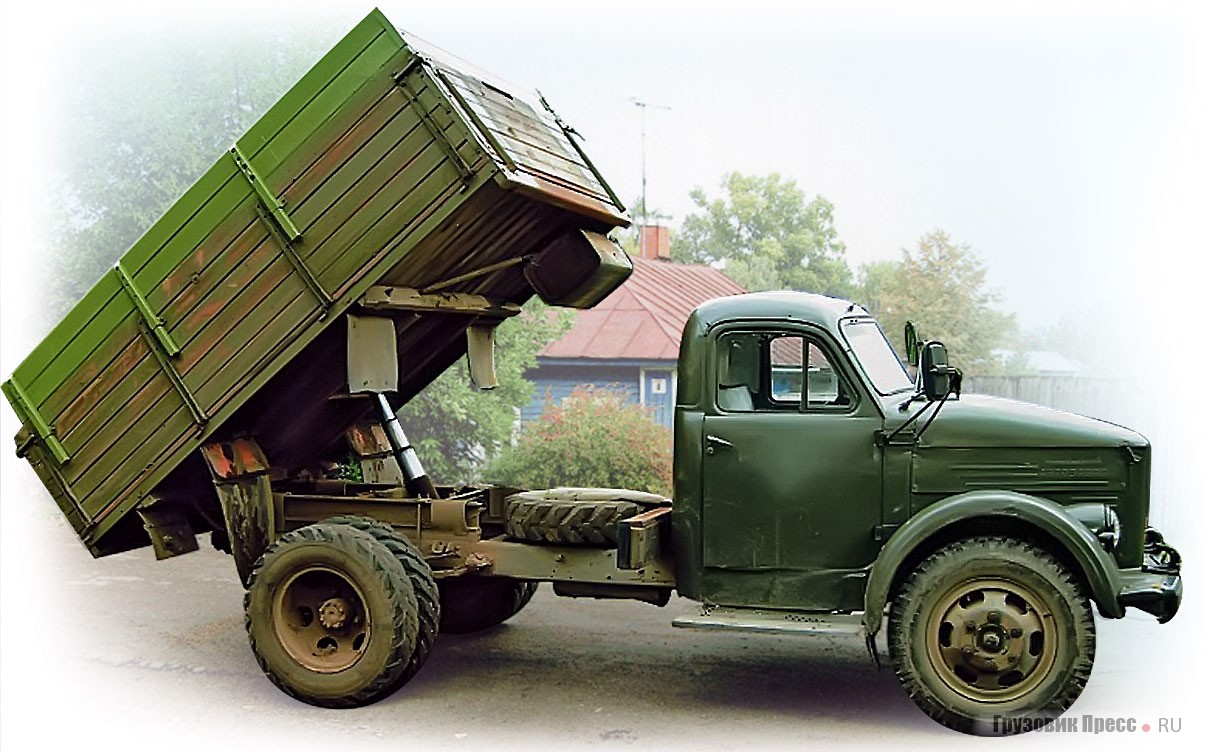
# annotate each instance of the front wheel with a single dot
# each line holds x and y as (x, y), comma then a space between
(992, 636)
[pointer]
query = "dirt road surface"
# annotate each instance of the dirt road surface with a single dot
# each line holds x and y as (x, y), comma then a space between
(126, 653)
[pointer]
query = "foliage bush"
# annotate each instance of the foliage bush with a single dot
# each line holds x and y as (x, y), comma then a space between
(593, 438)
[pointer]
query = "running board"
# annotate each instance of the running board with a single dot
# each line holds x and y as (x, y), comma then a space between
(779, 622)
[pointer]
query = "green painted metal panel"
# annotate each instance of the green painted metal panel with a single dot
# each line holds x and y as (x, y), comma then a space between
(342, 179)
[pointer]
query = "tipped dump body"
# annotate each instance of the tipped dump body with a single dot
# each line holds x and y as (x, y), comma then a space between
(389, 164)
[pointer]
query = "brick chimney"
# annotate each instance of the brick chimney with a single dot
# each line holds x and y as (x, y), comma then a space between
(656, 242)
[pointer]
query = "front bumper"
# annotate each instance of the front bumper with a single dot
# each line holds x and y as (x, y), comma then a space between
(1156, 587)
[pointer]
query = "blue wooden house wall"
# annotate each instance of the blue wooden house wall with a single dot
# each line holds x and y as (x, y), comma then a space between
(650, 383)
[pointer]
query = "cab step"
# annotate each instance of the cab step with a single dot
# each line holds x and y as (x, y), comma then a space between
(771, 620)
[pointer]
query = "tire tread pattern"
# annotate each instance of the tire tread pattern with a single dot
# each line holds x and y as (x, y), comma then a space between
(576, 523)
(396, 586)
(904, 615)
(427, 595)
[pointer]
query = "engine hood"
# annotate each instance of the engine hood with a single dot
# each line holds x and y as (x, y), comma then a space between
(979, 421)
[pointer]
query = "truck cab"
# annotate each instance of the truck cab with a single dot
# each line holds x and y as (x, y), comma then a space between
(814, 473)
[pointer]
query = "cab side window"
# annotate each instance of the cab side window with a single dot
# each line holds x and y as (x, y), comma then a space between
(778, 372)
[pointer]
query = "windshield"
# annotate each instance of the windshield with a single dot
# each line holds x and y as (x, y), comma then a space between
(878, 359)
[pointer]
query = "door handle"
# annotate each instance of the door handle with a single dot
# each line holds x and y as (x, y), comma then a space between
(714, 442)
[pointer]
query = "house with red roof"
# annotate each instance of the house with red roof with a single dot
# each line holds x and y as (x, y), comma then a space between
(629, 342)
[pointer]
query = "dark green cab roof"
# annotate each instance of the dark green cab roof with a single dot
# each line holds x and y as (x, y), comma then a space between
(805, 307)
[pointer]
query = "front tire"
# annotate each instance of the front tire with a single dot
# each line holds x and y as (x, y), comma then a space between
(332, 616)
(992, 636)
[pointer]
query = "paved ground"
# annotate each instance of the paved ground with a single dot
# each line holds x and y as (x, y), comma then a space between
(129, 653)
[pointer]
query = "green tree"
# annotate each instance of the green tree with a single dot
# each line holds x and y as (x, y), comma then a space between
(141, 134)
(453, 425)
(941, 286)
(766, 235)
(593, 438)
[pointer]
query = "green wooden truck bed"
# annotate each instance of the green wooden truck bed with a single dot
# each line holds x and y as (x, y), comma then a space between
(389, 163)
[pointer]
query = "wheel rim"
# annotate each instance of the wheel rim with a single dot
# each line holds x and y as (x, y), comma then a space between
(320, 618)
(991, 640)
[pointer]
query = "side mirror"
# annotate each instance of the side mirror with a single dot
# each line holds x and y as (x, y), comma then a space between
(937, 375)
(912, 344)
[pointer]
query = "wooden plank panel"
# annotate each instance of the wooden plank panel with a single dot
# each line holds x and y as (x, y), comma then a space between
(211, 342)
(325, 103)
(123, 490)
(123, 386)
(139, 415)
(555, 151)
(200, 227)
(182, 210)
(142, 416)
(356, 210)
(346, 146)
(104, 479)
(80, 383)
(381, 151)
(540, 127)
(190, 331)
(398, 227)
(353, 241)
(525, 131)
(312, 82)
(488, 98)
(209, 267)
(260, 348)
(141, 427)
(372, 91)
(188, 275)
(96, 487)
(94, 378)
(530, 158)
(107, 306)
(384, 152)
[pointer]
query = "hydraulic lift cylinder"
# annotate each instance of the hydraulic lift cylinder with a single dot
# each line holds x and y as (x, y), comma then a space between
(417, 482)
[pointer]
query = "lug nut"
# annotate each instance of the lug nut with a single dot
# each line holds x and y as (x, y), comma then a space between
(970, 626)
(994, 617)
(1017, 632)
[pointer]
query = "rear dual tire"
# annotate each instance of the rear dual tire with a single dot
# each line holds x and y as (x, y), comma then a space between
(333, 616)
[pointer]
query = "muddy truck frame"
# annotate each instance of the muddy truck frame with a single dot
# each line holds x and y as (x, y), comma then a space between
(374, 227)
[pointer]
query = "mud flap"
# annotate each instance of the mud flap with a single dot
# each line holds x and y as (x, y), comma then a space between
(240, 474)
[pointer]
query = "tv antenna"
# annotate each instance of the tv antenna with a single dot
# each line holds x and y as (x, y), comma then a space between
(645, 207)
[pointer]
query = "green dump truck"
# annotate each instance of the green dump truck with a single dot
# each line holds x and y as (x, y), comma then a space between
(374, 227)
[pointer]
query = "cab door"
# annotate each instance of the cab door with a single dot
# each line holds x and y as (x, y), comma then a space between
(791, 473)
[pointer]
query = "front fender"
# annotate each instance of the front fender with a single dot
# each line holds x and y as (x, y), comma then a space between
(1098, 568)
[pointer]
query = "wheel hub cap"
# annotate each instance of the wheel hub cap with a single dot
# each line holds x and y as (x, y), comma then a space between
(321, 619)
(991, 640)
(333, 613)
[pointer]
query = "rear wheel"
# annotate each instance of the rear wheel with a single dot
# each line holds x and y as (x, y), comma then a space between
(992, 636)
(471, 604)
(332, 616)
(427, 596)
